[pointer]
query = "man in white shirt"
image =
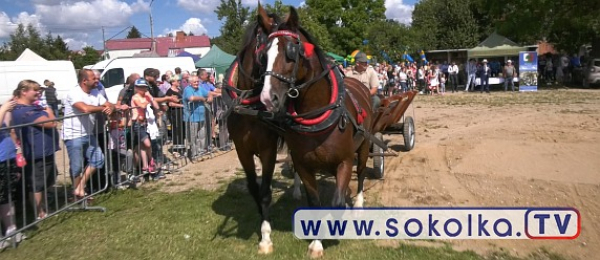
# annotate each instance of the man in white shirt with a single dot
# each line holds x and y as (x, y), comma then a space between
(80, 131)
(453, 74)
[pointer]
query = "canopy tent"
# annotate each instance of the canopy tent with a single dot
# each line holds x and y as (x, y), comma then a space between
(196, 58)
(336, 57)
(496, 45)
(29, 55)
(217, 59)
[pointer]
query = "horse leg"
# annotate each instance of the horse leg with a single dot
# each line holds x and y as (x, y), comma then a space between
(267, 158)
(344, 173)
(297, 194)
(363, 156)
(315, 248)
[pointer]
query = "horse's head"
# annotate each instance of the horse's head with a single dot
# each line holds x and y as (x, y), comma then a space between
(288, 62)
(252, 55)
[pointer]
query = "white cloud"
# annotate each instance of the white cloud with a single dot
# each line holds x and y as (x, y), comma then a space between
(193, 25)
(9, 25)
(83, 15)
(251, 3)
(75, 44)
(202, 6)
(302, 4)
(399, 11)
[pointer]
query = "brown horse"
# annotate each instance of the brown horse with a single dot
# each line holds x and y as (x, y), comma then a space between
(251, 136)
(326, 118)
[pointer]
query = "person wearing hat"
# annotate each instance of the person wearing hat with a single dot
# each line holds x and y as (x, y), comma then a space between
(486, 72)
(139, 103)
(367, 75)
(509, 72)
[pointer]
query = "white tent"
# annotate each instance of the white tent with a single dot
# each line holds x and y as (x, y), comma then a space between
(29, 55)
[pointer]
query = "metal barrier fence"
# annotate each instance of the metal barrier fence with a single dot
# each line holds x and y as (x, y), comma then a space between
(62, 152)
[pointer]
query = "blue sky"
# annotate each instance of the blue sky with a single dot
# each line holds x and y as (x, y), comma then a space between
(80, 22)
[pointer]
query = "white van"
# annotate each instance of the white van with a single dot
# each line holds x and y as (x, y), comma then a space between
(114, 72)
(62, 73)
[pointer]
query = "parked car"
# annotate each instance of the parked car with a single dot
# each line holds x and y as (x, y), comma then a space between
(592, 71)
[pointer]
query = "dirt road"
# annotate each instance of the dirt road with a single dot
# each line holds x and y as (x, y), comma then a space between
(522, 149)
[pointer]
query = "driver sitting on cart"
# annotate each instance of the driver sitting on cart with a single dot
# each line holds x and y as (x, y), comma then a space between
(367, 75)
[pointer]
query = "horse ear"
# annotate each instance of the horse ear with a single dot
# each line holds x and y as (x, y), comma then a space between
(292, 19)
(263, 18)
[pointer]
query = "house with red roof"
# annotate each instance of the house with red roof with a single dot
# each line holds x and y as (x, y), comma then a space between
(165, 46)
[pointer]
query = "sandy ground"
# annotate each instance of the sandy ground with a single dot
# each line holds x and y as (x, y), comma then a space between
(479, 155)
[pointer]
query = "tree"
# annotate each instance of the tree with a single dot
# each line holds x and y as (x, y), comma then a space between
(568, 24)
(236, 17)
(89, 56)
(392, 38)
(134, 33)
(446, 24)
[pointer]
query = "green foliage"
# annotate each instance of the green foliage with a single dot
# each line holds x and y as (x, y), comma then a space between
(134, 33)
(447, 24)
(236, 17)
(89, 56)
(568, 24)
(391, 37)
(24, 37)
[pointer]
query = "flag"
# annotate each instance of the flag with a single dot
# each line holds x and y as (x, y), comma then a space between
(423, 58)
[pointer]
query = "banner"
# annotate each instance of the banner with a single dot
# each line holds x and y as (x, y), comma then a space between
(528, 71)
(437, 223)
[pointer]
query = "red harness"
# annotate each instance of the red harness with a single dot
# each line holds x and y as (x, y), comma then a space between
(247, 101)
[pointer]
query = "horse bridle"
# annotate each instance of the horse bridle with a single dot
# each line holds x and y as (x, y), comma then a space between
(292, 52)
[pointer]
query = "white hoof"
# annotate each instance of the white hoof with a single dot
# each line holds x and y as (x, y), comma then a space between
(360, 200)
(315, 249)
(265, 248)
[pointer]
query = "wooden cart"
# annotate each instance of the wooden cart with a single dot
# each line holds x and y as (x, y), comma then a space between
(390, 119)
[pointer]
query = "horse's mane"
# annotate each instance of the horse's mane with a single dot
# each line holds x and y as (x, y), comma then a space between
(318, 51)
(250, 35)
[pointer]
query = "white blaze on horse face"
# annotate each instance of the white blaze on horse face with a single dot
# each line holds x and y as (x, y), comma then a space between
(272, 53)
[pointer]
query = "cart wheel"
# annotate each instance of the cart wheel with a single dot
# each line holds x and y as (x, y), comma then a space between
(379, 160)
(409, 133)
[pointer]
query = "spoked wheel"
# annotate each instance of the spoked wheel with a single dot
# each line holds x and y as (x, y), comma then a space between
(409, 133)
(378, 160)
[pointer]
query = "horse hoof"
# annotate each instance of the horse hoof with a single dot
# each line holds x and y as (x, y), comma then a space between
(315, 253)
(315, 249)
(265, 248)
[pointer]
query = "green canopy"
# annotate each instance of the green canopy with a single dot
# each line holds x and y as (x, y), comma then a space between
(495, 45)
(336, 57)
(217, 59)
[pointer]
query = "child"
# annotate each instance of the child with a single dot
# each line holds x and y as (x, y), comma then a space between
(139, 103)
(443, 83)
(118, 146)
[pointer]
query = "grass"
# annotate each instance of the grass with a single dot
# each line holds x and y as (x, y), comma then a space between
(149, 224)
(499, 99)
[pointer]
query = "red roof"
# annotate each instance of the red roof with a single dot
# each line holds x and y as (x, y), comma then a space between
(163, 44)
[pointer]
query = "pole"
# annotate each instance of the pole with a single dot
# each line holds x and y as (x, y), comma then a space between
(153, 47)
(104, 42)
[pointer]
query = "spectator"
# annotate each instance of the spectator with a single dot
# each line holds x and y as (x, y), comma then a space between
(139, 103)
(9, 177)
(486, 73)
(164, 85)
(176, 118)
(471, 70)
(39, 142)
(453, 72)
(79, 132)
(509, 73)
(51, 97)
(194, 98)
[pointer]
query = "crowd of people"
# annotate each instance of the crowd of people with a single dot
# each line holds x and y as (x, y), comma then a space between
(96, 133)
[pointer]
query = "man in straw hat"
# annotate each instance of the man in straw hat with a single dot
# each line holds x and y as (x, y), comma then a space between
(367, 75)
